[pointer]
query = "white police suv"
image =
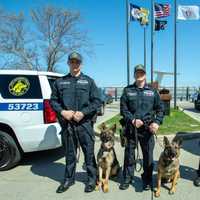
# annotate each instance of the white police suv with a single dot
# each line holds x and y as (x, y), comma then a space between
(27, 121)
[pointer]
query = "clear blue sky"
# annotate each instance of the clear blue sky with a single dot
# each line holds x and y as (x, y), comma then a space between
(106, 25)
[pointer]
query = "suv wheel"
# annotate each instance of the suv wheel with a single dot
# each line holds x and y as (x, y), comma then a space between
(9, 152)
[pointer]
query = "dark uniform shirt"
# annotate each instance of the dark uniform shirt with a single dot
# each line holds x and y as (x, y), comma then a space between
(77, 94)
(141, 103)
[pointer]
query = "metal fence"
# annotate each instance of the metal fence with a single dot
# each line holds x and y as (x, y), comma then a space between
(183, 93)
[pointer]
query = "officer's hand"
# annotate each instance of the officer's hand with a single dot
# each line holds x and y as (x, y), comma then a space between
(67, 114)
(78, 116)
(138, 123)
(153, 127)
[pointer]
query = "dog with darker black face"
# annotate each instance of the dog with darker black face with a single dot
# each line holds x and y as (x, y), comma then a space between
(107, 162)
(168, 165)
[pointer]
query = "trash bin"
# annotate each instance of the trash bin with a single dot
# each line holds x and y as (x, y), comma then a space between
(166, 97)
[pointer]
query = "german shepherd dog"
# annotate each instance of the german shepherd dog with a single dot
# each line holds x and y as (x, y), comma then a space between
(107, 162)
(168, 165)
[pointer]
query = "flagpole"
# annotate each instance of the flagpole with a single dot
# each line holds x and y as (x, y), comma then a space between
(175, 53)
(152, 39)
(127, 41)
(145, 46)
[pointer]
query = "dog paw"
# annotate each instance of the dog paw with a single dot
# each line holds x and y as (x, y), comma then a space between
(98, 186)
(172, 191)
(105, 187)
(157, 193)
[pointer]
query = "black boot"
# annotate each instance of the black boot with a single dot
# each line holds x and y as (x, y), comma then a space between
(90, 187)
(125, 184)
(147, 183)
(197, 181)
(64, 186)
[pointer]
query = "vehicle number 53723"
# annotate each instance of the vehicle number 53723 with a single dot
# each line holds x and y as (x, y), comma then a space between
(23, 106)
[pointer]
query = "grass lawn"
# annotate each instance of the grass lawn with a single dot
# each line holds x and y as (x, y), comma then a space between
(178, 121)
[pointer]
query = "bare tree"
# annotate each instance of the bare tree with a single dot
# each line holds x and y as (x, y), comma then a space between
(14, 45)
(52, 34)
(58, 33)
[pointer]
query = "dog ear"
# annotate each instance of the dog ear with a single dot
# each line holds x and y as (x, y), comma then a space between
(114, 128)
(166, 141)
(178, 140)
(103, 127)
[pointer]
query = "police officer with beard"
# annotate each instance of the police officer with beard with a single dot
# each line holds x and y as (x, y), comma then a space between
(75, 98)
(142, 110)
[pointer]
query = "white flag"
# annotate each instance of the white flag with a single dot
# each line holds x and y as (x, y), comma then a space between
(188, 13)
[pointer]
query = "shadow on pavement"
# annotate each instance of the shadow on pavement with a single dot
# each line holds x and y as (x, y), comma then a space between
(191, 145)
(138, 184)
(42, 157)
(44, 164)
(187, 173)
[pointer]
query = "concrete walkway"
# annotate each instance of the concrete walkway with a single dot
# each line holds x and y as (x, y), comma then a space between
(188, 108)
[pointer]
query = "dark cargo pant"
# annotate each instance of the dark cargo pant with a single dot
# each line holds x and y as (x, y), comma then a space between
(147, 143)
(85, 136)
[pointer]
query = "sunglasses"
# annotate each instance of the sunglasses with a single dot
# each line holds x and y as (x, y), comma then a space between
(74, 62)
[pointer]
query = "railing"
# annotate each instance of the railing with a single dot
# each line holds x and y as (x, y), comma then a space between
(183, 93)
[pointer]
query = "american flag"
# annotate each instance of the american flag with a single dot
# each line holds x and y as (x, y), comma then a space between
(161, 10)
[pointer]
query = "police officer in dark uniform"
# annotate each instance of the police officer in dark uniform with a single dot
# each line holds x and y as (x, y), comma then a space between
(75, 98)
(142, 111)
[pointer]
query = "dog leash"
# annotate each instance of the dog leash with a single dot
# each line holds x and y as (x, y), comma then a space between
(72, 129)
(138, 159)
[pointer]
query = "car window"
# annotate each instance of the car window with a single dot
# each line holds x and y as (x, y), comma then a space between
(20, 87)
(51, 80)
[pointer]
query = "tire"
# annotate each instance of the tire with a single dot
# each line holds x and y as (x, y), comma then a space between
(9, 152)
